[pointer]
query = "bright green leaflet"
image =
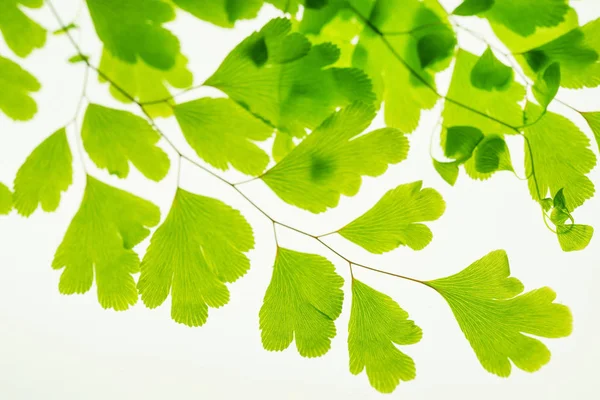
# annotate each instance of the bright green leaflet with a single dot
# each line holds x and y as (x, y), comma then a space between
(547, 84)
(331, 160)
(447, 170)
(473, 7)
(6, 200)
(132, 30)
(223, 133)
(98, 244)
(571, 236)
(46, 173)
(145, 83)
(291, 96)
(561, 157)
(15, 97)
(221, 12)
(496, 318)
(302, 302)
(593, 120)
(461, 141)
(394, 220)
(377, 324)
(113, 138)
(524, 17)
(196, 250)
(492, 155)
(21, 34)
(489, 73)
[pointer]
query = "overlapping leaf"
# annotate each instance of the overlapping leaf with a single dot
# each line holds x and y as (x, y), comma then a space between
(15, 97)
(524, 17)
(21, 33)
(221, 12)
(395, 220)
(302, 302)
(113, 138)
(331, 161)
(498, 320)
(98, 244)
(593, 120)
(46, 173)
(197, 249)
(223, 133)
(377, 324)
(6, 200)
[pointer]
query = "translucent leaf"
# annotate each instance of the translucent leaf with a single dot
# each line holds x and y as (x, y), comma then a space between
(133, 30)
(99, 242)
(447, 170)
(113, 138)
(221, 12)
(561, 158)
(498, 320)
(46, 173)
(377, 324)
(461, 141)
(197, 249)
(6, 200)
(435, 47)
(593, 119)
(15, 98)
(331, 160)
(547, 84)
(489, 73)
(21, 33)
(67, 28)
(574, 237)
(282, 145)
(292, 96)
(395, 220)
(302, 302)
(145, 83)
(473, 7)
(224, 133)
(492, 155)
(524, 17)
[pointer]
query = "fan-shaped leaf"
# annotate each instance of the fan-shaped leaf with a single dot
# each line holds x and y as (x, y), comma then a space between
(473, 7)
(6, 200)
(21, 33)
(489, 73)
(15, 98)
(461, 141)
(492, 155)
(524, 17)
(221, 12)
(547, 84)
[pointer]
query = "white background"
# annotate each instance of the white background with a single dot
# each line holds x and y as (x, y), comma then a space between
(68, 347)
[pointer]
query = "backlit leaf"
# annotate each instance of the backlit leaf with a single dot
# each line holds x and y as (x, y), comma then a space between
(6, 201)
(593, 120)
(15, 97)
(332, 159)
(377, 324)
(434, 47)
(221, 12)
(492, 155)
(461, 141)
(547, 84)
(489, 73)
(114, 138)
(447, 170)
(396, 220)
(302, 302)
(498, 320)
(21, 33)
(574, 237)
(197, 249)
(46, 173)
(473, 7)
(98, 244)
(524, 17)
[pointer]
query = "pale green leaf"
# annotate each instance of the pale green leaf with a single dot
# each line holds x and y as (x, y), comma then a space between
(489, 73)
(224, 133)
(114, 138)
(574, 237)
(145, 83)
(593, 120)
(524, 17)
(473, 7)
(15, 97)
(21, 33)
(98, 244)
(133, 30)
(331, 160)
(221, 12)
(46, 173)
(447, 170)
(547, 84)
(302, 302)
(377, 324)
(6, 199)
(396, 220)
(282, 145)
(197, 249)
(561, 158)
(498, 320)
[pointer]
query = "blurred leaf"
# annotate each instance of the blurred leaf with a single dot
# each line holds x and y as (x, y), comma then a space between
(593, 120)
(6, 199)
(221, 12)
(525, 17)
(15, 97)
(21, 33)
(473, 7)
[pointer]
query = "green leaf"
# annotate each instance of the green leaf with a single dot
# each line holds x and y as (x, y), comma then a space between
(498, 320)
(294, 95)
(145, 83)
(593, 120)
(69, 27)
(574, 237)
(559, 200)
(461, 141)
(394, 220)
(282, 145)
(196, 250)
(221, 12)
(377, 324)
(492, 155)
(224, 133)
(302, 301)
(113, 138)
(99, 242)
(15, 98)
(6, 199)
(561, 157)
(547, 84)
(78, 58)
(489, 73)
(435, 47)
(21, 33)
(473, 7)
(46, 173)
(447, 170)
(331, 160)
(133, 30)
(524, 17)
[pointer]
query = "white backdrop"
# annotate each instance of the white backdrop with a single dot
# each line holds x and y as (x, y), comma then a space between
(68, 347)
